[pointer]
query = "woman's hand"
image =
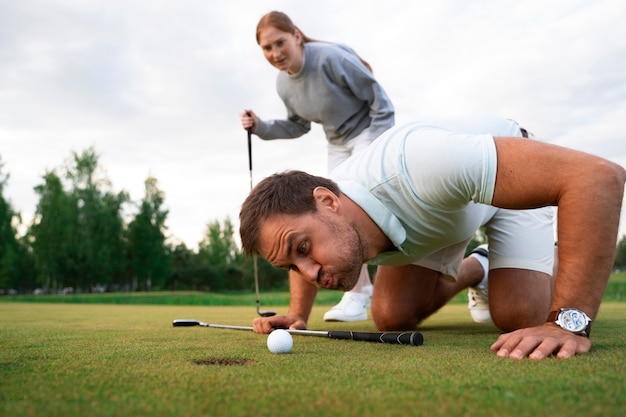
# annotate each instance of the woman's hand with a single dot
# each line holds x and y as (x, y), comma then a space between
(249, 120)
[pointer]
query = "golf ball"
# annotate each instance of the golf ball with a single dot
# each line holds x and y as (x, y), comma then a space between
(279, 341)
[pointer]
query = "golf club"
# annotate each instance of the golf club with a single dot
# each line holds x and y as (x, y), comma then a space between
(262, 313)
(404, 338)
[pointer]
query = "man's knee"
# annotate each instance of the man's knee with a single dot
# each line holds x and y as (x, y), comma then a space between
(395, 324)
(519, 299)
(518, 316)
(402, 296)
(389, 318)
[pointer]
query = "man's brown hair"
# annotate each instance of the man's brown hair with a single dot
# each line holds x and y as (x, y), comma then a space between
(289, 192)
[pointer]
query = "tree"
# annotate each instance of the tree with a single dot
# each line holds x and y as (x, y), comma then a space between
(218, 245)
(97, 244)
(181, 261)
(146, 240)
(12, 252)
(218, 250)
(52, 231)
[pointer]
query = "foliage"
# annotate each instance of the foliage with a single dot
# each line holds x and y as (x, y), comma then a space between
(216, 254)
(16, 270)
(51, 234)
(146, 240)
(77, 234)
(99, 247)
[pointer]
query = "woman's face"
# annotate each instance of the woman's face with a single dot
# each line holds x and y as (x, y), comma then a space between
(282, 49)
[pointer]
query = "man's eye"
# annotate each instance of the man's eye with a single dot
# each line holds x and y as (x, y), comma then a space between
(301, 248)
(293, 268)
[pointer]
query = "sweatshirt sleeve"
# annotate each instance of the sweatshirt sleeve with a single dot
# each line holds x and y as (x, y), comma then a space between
(361, 82)
(292, 128)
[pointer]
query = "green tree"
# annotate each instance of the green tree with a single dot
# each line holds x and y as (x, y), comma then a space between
(97, 243)
(181, 262)
(218, 250)
(52, 231)
(218, 246)
(15, 270)
(271, 277)
(146, 240)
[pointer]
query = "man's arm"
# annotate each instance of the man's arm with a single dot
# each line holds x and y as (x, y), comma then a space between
(588, 191)
(302, 296)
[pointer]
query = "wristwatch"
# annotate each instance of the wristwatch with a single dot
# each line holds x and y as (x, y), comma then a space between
(572, 320)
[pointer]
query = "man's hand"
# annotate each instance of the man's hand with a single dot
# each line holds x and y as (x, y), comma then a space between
(540, 342)
(265, 325)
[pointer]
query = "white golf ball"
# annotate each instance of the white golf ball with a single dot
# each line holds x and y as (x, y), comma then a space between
(279, 341)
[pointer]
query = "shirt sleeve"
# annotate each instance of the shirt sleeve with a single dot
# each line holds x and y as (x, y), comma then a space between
(448, 169)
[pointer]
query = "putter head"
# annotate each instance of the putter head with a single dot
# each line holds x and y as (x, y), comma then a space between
(265, 313)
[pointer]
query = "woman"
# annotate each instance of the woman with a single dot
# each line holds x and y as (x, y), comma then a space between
(331, 85)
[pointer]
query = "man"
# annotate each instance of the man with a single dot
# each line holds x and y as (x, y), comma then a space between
(413, 200)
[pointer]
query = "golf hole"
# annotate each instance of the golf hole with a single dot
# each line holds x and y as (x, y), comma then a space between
(221, 361)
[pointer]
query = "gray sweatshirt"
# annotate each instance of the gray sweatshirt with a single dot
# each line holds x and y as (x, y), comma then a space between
(334, 89)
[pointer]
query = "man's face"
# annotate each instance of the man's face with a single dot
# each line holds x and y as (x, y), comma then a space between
(322, 247)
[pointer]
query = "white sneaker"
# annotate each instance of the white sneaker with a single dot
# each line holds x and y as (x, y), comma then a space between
(478, 296)
(352, 307)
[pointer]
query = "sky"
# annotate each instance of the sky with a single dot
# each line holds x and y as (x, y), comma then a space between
(156, 87)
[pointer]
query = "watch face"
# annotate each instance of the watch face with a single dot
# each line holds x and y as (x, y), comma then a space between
(573, 320)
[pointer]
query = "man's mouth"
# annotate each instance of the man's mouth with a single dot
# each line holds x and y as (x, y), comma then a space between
(328, 283)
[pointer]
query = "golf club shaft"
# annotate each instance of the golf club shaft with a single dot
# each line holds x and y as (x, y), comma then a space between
(397, 338)
(262, 313)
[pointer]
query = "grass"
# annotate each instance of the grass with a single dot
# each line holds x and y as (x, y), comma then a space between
(278, 298)
(615, 291)
(127, 360)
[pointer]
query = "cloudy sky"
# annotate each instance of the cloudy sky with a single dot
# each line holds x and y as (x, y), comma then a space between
(156, 87)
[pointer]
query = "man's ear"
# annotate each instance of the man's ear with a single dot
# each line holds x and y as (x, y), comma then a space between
(326, 198)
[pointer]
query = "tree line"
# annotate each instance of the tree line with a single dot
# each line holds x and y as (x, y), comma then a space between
(83, 239)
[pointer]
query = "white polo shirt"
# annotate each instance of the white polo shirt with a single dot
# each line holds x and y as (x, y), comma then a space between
(428, 187)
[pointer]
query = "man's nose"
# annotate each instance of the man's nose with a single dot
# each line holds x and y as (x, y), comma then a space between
(309, 269)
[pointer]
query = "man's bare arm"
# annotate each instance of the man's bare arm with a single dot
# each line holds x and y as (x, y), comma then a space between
(588, 192)
(302, 297)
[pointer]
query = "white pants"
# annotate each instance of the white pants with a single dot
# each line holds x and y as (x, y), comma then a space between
(521, 239)
(339, 153)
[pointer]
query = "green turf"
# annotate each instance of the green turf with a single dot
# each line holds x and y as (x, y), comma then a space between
(127, 360)
(615, 291)
(279, 298)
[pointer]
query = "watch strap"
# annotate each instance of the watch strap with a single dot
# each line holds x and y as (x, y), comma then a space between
(553, 315)
(552, 318)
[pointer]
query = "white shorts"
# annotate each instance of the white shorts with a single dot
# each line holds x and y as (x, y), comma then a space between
(521, 239)
(339, 153)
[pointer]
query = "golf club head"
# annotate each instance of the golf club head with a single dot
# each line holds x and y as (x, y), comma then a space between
(264, 313)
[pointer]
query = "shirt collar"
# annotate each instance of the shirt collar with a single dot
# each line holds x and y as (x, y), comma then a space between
(377, 211)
